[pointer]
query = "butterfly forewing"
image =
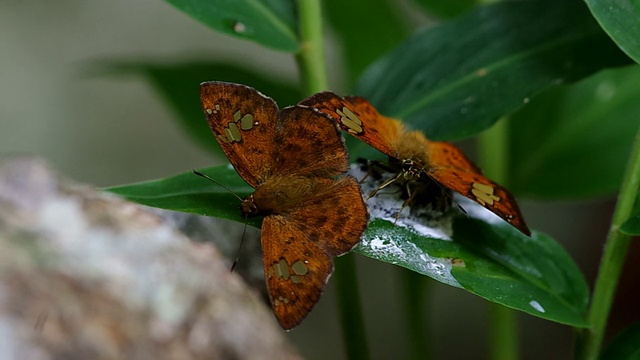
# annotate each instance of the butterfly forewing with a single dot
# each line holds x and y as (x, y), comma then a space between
(244, 124)
(308, 143)
(359, 118)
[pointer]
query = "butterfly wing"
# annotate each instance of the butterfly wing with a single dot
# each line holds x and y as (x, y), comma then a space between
(359, 118)
(295, 268)
(339, 215)
(308, 143)
(298, 247)
(451, 168)
(244, 123)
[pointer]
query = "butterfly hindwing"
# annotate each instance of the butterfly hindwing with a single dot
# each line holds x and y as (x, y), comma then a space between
(243, 122)
(298, 246)
(341, 215)
(296, 269)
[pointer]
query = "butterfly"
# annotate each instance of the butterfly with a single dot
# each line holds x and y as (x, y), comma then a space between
(294, 159)
(416, 158)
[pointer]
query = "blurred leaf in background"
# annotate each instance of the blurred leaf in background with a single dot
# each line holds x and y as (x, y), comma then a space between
(269, 22)
(574, 141)
(620, 19)
(457, 79)
(179, 85)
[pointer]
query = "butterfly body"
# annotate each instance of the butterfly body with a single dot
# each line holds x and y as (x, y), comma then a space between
(419, 158)
(295, 160)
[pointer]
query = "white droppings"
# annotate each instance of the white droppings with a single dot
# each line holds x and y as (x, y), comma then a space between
(526, 100)
(403, 252)
(536, 305)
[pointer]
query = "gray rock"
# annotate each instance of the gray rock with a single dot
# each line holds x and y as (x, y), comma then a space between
(87, 275)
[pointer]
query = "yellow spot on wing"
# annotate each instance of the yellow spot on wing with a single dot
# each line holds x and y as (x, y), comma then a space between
(246, 123)
(350, 120)
(299, 268)
(235, 132)
(484, 194)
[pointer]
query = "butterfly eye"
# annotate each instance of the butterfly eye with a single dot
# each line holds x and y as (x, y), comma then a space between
(407, 165)
(248, 206)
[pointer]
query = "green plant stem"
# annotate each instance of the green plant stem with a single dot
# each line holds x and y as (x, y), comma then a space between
(493, 149)
(503, 333)
(350, 311)
(311, 64)
(310, 59)
(415, 297)
(589, 341)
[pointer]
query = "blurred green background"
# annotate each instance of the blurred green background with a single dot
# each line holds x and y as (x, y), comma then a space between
(115, 129)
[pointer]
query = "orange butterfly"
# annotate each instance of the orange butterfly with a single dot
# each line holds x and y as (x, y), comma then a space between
(291, 158)
(419, 159)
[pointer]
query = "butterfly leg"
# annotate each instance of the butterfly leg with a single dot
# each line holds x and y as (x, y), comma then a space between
(384, 185)
(373, 168)
(410, 196)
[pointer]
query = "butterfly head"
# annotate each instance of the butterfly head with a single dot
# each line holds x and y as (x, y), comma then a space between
(411, 170)
(248, 206)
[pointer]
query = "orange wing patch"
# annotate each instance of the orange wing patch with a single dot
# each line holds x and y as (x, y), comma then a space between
(440, 161)
(359, 118)
(451, 168)
(291, 158)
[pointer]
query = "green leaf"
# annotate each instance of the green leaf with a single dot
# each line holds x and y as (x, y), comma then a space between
(621, 20)
(269, 22)
(447, 9)
(574, 141)
(457, 79)
(179, 85)
(494, 261)
(487, 256)
(631, 226)
(384, 29)
(625, 346)
(190, 193)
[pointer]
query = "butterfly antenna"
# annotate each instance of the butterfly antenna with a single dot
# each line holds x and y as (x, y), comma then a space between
(216, 182)
(244, 231)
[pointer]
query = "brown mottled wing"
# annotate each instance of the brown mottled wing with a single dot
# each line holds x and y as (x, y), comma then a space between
(334, 217)
(451, 168)
(296, 269)
(359, 118)
(244, 124)
(308, 143)
(298, 247)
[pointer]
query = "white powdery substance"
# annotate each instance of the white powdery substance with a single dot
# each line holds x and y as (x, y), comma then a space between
(406, 254)
(386, 205)
(396, 249)
(536, 305)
